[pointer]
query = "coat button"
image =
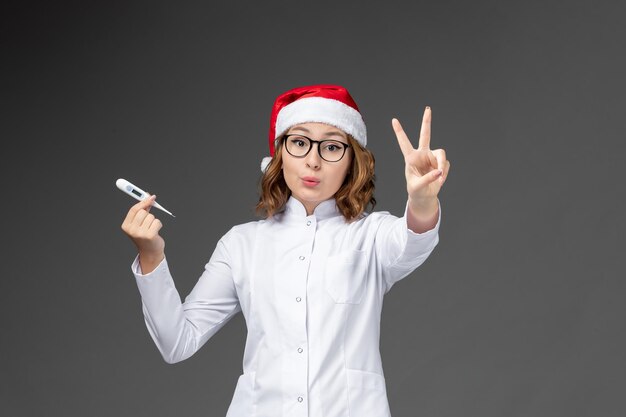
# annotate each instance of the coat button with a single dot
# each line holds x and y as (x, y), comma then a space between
(301, 258)
(300, 399)
(299, 350)
(298, 299)
(308, 223)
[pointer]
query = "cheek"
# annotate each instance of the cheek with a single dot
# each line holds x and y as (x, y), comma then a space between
(346, 168)
(287, 168)
(340, 176)
(289, 171)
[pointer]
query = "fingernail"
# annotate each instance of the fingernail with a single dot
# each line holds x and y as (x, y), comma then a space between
(428, 107)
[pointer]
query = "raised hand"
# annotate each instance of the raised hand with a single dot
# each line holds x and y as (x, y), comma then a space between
(143, 229)
(426, 170)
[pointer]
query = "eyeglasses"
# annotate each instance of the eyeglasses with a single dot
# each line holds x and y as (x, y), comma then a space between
(330, 150)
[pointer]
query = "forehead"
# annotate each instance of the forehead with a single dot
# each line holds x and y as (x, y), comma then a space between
(317, 129)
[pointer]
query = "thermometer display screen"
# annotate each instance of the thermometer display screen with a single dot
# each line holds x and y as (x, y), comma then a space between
(138, 194)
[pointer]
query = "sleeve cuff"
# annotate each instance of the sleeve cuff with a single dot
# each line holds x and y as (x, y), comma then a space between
(136, 268)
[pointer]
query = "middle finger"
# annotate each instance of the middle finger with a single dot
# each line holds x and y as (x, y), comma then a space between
(424, 142)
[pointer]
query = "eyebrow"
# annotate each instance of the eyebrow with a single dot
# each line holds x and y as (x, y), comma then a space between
(330, 133)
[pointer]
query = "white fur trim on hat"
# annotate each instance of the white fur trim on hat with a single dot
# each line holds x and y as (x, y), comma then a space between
(265, 162)
(323, 110)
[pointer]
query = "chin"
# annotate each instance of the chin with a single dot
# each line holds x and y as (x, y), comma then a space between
(310, 197)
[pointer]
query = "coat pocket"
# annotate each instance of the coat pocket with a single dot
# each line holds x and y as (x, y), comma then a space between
(367, 395)
(345, 275)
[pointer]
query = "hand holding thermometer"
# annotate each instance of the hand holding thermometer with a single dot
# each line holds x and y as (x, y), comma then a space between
(137, 193)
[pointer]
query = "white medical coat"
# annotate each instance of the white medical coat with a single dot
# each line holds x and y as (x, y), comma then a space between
(311, 290)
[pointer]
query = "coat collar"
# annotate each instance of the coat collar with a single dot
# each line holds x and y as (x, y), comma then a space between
(295, 210)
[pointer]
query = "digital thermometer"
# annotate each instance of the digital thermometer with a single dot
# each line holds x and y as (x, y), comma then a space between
(137, 193)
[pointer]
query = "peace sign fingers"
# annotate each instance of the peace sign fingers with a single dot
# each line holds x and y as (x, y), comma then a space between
(403, 140)
(424, 142)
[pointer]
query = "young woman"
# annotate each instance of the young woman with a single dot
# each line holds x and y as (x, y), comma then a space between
(311, 276)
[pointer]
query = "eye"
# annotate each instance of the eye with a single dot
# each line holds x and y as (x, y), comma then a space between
(298, 141)
(333, 147)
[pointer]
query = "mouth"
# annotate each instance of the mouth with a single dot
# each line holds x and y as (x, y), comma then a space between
(310, 181)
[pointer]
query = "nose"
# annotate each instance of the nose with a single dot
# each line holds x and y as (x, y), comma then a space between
(313, 159)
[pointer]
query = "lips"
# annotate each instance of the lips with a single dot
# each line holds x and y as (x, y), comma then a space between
(310, 181)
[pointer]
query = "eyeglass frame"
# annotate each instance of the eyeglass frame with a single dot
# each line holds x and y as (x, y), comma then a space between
(319, 146)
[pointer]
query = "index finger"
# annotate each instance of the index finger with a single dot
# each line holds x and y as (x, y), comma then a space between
(403, 139)
(424, 142)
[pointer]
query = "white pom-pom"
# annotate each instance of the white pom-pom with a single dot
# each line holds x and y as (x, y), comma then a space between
(265, 162)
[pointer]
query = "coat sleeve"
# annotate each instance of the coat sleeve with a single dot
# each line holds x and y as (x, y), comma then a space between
(180, 329)
(401, 250)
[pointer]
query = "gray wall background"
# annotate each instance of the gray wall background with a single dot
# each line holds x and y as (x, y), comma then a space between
(519, 311)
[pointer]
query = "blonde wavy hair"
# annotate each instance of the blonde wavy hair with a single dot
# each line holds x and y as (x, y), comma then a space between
(352, 198)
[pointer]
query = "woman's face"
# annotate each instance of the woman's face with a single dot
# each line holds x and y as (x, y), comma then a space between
(311, 179)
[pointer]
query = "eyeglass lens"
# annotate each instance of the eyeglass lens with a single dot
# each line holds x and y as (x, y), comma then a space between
(330, 150)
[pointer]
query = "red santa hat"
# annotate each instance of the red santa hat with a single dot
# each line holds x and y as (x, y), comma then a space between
(324, 103)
